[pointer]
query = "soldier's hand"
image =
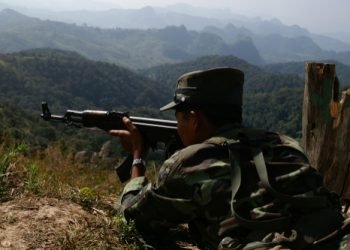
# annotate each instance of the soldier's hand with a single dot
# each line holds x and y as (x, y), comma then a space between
(131, 139)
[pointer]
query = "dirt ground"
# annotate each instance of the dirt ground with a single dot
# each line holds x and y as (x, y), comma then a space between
(50, 223)
(32, 222)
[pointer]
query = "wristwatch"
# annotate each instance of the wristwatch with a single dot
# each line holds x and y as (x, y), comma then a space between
(139, 162)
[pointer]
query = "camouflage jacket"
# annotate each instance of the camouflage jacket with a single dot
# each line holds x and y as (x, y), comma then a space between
(195, 186)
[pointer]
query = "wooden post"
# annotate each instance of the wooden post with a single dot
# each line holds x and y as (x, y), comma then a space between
(326, 126)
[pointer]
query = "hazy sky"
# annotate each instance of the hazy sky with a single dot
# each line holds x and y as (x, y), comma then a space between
(319, 16)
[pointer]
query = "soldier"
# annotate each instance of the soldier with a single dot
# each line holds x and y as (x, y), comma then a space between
(248, 188)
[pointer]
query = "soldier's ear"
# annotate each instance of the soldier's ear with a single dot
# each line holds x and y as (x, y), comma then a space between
(193, 118)
(198, 119)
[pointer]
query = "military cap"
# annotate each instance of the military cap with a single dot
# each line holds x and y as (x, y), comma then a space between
(217, 86)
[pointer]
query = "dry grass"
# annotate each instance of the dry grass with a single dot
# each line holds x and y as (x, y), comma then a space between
(58, 170)
(78, 199)
(75, 201)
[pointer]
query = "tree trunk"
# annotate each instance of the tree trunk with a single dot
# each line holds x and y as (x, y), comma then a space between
(326, 126)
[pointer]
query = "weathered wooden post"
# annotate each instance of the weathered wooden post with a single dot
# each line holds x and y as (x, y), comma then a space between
(326, 126)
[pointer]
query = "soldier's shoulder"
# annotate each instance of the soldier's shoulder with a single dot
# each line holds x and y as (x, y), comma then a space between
(193, 150)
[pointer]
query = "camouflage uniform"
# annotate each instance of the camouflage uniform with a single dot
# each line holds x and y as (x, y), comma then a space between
(194, 186)
(219, 190)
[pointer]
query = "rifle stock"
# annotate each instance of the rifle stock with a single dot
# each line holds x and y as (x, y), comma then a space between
(153, 130)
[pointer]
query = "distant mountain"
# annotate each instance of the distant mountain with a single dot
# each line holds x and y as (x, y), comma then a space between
(217, 13)
(193, 18)
(331, 43)
(342, 36)
(255, 40)
(144, 18)
(343, 57)
(131, 48)
(275, 48)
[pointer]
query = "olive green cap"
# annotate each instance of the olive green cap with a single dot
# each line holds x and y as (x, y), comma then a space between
(217, 86)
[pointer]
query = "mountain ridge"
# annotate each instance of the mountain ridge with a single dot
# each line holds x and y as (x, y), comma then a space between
(194, 18)
(132, 48)
(136, 48)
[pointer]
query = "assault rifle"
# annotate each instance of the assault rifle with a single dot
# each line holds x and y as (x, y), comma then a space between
(154, 131)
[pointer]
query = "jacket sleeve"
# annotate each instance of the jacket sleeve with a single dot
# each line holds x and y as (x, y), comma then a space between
(158, 206)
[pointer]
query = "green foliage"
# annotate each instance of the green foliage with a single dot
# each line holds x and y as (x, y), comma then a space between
(19, 126)
(7, 157)
(67, 80)
(278, 111)
(86, 196)
(32, 181)
(128, 234)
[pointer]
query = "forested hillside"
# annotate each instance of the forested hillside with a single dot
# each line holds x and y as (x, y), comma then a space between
(67, 80)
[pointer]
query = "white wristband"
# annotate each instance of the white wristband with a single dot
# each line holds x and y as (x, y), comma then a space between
(137, 162)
